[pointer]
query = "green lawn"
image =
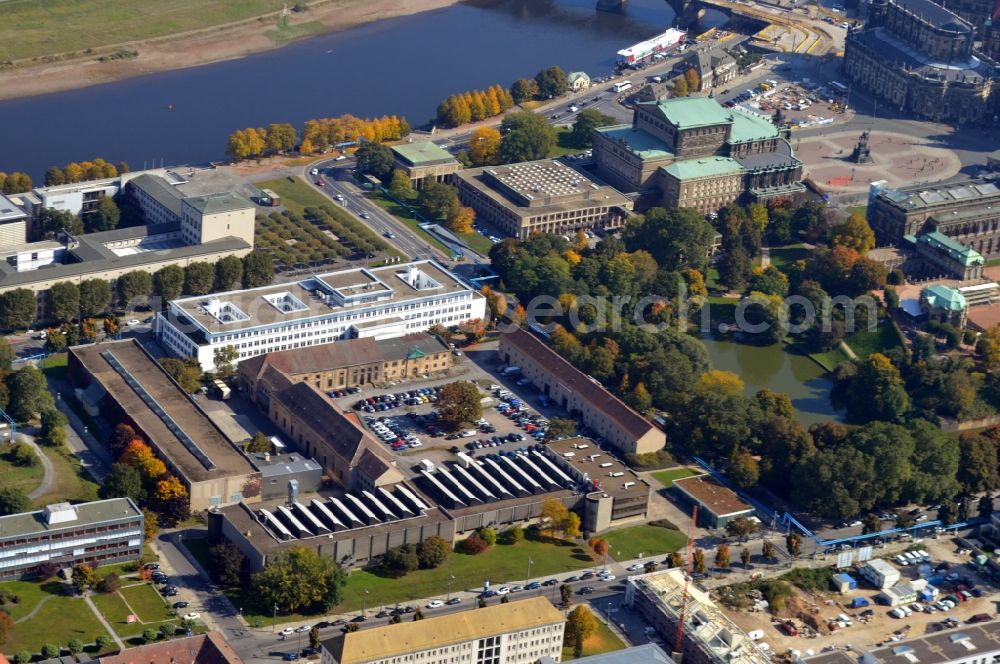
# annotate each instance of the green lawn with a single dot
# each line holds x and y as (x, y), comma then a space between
(34, 29)
(783, 257)
(831, 359)
(477, 242)
(629, 543)
(601, 641)
(72, 483)
(501, 564)
(563, 146)
(147, 603)
(407, 217)
(864, 342)
(282, 34)
(29, 594)
(55, 365)
(59, 620)
(667, 477)
(25, 478)
(116, 612)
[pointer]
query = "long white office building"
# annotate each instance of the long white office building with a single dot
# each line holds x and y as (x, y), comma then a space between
(382, 303)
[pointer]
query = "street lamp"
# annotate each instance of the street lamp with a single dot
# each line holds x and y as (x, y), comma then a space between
(528, 578)
(364, 596)
(274, 619)
(450, 579)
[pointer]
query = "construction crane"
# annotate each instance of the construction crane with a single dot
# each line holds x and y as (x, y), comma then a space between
(678, 653)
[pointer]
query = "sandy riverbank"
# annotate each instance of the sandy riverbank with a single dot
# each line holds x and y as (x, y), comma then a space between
(180, 52)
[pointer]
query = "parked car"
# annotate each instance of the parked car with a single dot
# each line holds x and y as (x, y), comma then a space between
(288, 631)
(194, 615)
(435, 604)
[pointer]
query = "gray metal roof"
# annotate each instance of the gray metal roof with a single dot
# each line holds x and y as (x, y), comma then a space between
(9, 211)
(158, 189)
(98, 511)
(220, 202)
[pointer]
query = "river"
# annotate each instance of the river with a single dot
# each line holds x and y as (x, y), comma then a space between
(401, 66)
(776, 368)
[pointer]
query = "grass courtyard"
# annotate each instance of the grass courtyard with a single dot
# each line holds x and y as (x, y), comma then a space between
(23, 478)
(60, 619)
(667, 477)
(503, 563)
(643, 541)
(601, 641)
(863, 343)
(783, 257)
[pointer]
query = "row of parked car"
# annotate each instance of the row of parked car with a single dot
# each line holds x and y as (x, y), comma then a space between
(495, 441)
(390, 401)
(393, 433)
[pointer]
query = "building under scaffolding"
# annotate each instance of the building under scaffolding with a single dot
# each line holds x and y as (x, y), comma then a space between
(709, 636)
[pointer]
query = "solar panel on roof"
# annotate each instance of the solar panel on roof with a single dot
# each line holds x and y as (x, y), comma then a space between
(278, 525)
(327, 513)
(154, 406)
(310, 517)
(389, 514)
(412, 497)
(445, 491)
(396, 502)
(960, 193)
(287, 513)
(987, 189)
(931, 197)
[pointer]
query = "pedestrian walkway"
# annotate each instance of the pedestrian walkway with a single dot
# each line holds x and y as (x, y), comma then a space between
(81, 441)
(107, 625)
(49, 476)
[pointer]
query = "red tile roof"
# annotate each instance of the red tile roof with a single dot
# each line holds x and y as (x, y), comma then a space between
(208, 648)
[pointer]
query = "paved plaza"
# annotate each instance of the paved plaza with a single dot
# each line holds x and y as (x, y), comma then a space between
(899, 158)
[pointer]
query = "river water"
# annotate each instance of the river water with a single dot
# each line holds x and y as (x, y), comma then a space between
(402, 66)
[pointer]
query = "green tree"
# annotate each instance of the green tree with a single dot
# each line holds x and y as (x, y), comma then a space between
(524, 89)
(526, 137)
(199, 278)
(433, 551)
(692, 79)
(583, 128)
(258, 270)
(259, 444)
(95, 297)
(299, 578)
(281, 137)
(186, 372)
(400, 186)
(401, 560)
(375, 159)
(875, 391)
(228, 273)
(698, 561)
(722, 556)
(566, 593)
(109, 584)
(741, 527)
(743, 469)
(551, 82)
(22, 657)
(948, 512)
(314, 638)
(854, 233)
(18, 308)
(560, 427)
(437, 200)
(225, 361)
(149, 635)
(52, 430)
(50, 650)
(104, 217)
(489, 536)
(580, 624)
(64, 301)
(745, 557)
(54, 176)
(52, 222)
(13, 501)
(458, 403)
(484, 146)
(871, 523)
(977, 466)
(168, 283)
(167, 630)
(104, 642)
(84, 577)
(7, 354)
(134, 288)
(681, 87)
(767, 550)
(123, 481)
(984, 508)
(675, 238)
(29, 393)
(226, 563)
(793, 544)
(23, 455)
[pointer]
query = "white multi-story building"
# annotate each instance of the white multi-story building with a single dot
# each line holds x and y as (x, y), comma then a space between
(382, 303)
(519, 632)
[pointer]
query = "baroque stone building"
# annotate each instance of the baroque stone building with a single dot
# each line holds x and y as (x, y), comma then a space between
(693, 152)
(918, 57)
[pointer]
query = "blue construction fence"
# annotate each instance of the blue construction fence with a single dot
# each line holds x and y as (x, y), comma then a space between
(790, 522)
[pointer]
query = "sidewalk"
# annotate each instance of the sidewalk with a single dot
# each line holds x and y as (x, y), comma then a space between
(81, 441)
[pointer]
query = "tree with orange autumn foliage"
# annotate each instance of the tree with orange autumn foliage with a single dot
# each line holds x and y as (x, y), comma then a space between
(140, 456)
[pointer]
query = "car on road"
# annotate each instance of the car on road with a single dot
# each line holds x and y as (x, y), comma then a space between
(365, 215)
(180, 605)
(153, 566)
(194, 615)
(634, 568)
(288, 631)
(550, 582)
(303, 628)
(503, 590)
(291, 657)
(339, 197)
(534, 585)
(130, 322)
(315, 171)
(310, 651)
(389, 234)
(319, 183)
(453, 601)
(340, 158)
(586, 590)
(572, 579)
(435, 604)
(607, 577)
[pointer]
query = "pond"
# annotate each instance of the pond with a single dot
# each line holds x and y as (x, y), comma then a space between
(780, 369)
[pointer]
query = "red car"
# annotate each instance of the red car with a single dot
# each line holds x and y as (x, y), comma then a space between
(319, 183)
